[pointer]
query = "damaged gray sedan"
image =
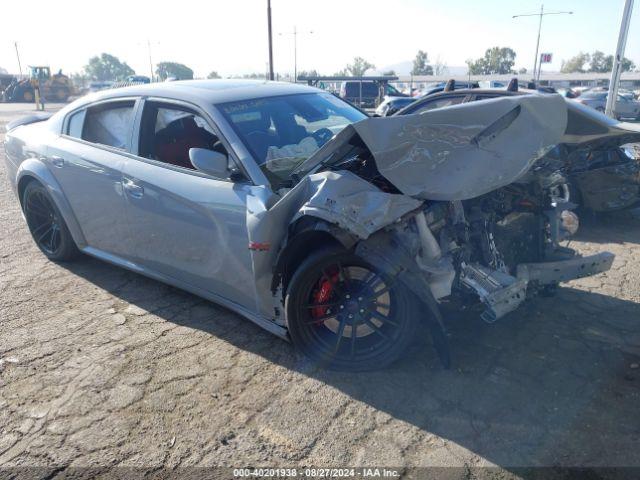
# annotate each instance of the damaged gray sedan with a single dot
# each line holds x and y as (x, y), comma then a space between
(292, 208)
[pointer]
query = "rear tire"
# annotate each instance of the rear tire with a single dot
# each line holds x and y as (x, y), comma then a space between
(46, 224)
(346, 314)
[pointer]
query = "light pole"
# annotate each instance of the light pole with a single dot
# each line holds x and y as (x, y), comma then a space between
(541, 14)
(148, 45)
(295, 34)
(270, 40)
(616, 71)
(18, 55)
(150, 62)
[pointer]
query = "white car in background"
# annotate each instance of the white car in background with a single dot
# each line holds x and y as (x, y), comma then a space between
(625, 106)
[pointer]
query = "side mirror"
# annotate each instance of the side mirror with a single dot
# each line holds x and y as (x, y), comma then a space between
(210, 162)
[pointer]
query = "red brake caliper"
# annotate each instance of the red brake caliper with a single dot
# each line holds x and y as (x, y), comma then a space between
(323, 294)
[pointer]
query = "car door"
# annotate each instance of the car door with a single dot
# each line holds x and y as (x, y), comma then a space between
(87, 161)
(187, 225)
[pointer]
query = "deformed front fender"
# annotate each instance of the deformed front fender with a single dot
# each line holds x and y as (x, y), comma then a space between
(339, 198)
(35, 169)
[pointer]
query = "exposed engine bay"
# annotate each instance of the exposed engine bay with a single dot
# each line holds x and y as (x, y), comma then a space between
(499, 247)
(462, 204)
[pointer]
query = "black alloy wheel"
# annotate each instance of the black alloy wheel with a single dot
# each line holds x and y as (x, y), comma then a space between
(348, 315)
(46, 224)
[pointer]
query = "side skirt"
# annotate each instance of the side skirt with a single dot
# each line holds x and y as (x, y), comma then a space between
(240, 310)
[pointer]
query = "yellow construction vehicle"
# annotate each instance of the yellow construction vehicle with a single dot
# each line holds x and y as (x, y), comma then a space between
(54, 88)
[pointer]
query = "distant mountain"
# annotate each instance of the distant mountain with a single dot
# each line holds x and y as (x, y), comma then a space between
(404, 68)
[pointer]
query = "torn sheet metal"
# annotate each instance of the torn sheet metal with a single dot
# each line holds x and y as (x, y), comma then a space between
(467, 150)
(341, 198)
(353, 203)
(457, 152)
(588, 128)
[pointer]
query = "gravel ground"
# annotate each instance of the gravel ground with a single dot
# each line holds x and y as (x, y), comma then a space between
(99, 366)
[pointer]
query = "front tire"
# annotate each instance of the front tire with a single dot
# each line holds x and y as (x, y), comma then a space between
(346, 314)
(46, 224)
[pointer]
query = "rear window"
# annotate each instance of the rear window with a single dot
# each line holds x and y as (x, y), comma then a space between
(369, 89)
(107, 124)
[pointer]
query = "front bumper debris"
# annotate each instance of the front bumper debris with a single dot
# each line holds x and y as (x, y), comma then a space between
(565, 270)
(502, 293)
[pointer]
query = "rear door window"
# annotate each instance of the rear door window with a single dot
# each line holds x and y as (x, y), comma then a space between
(76, 122)
(108, 124)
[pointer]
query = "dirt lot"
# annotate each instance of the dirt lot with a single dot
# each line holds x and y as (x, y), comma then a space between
(99, 366)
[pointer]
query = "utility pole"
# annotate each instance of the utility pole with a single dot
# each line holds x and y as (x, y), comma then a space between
(295, 50)
(535, 58)
(18, 55)
(150, 62)
(616, 71)
(541, 14)
(270, 40)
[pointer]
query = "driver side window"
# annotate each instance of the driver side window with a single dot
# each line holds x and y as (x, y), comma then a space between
(167, 132)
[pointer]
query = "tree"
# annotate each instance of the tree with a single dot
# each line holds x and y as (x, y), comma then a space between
(575, 64)
(420, 66)
(166, 70)
(598, 62)
(359, 67)
(107, 67)
(496, 60)
(255, 76)
(308, 73)
(79, 79)
(439, 67)
(213, 74)
(522, 71)
(602, 63)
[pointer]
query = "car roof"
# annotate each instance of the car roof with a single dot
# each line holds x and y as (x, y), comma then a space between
(492, 91)
(207, 91)
(461, 92)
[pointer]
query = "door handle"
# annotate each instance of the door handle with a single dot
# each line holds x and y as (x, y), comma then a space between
(57, 161)
(133, 189)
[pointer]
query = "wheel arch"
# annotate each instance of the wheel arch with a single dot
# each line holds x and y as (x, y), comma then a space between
(34, 169)
(306, 235)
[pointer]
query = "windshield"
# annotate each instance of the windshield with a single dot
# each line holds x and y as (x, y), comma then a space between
(282, 132)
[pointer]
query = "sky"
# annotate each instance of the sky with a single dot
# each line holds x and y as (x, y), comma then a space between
(230, 37)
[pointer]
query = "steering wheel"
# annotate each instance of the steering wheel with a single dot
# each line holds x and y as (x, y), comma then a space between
(322, 136)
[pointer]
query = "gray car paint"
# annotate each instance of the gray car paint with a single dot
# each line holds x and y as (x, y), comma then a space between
(92, 173)
(180, 206)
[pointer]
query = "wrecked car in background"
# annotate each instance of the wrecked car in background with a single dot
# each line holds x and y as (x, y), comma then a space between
(292, 208)
(601, 175)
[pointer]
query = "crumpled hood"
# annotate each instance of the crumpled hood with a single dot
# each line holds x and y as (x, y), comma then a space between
(588, 128)
(458, 152)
